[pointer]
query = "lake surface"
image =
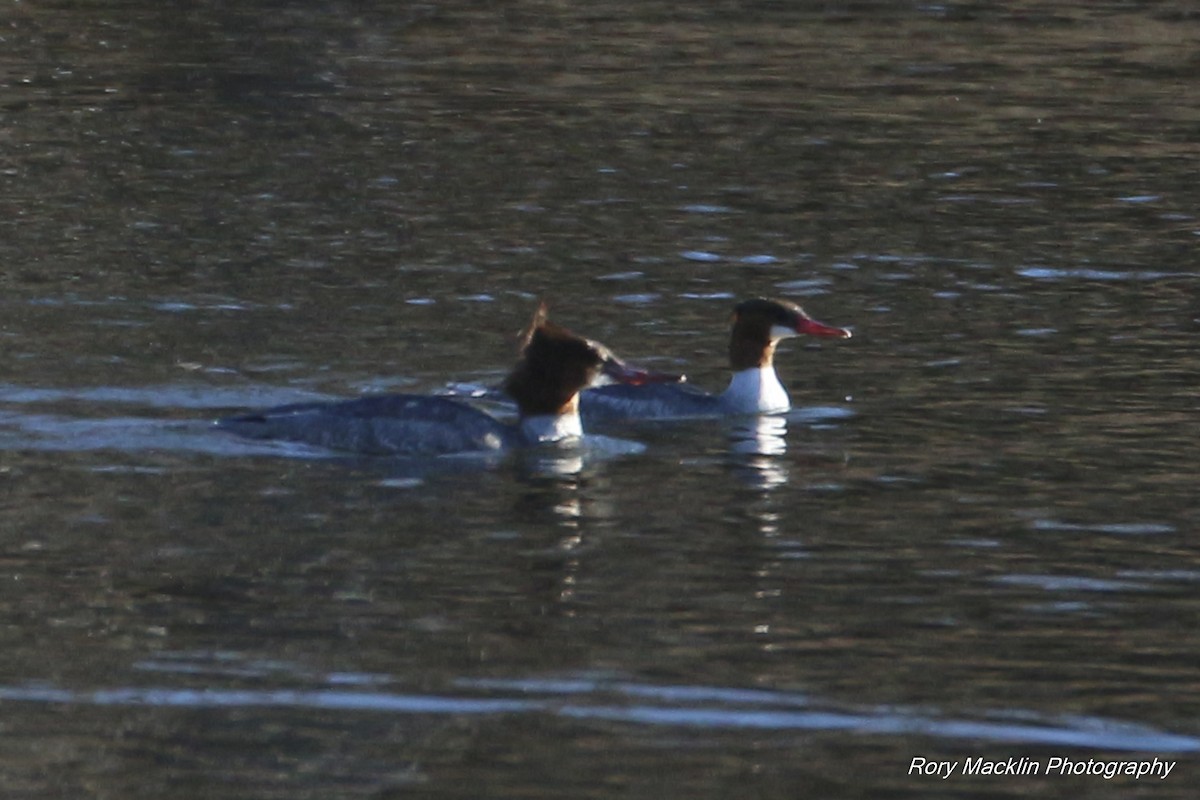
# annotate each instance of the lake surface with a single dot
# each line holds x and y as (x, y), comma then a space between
(973, 538)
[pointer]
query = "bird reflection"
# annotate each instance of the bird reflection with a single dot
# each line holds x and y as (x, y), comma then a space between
(755, 446)
(564, 497)
(574, 457)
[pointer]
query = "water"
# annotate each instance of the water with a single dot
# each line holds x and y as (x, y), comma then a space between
(971, 538)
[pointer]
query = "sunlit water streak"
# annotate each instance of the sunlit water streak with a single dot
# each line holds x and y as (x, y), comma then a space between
(180, 396)
(701, 707)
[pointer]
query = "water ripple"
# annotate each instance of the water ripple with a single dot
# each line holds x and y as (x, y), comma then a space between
(714, 708)
(1092, 274)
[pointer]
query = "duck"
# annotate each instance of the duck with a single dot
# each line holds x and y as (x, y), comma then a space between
(554, 365)
(757, 326)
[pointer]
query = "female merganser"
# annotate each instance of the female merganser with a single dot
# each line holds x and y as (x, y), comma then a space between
(555, 365)
(758, 326)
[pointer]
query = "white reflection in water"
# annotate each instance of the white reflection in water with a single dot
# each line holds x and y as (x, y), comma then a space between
(762, 435)
(755, 444)
(570, 457)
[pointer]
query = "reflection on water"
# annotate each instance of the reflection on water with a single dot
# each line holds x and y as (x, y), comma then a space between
(708, 708)
(971, 537)
(763, 435)
(754, 444)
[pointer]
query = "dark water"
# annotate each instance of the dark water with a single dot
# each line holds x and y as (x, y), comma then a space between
(971, 539)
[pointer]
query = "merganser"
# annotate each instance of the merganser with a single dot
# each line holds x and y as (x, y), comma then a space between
(555, 365)
(758, 326)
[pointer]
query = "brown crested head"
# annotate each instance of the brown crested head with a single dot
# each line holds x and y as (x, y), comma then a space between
(556, 364)
(759, 324)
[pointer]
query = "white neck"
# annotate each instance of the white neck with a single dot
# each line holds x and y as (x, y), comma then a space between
(756, 390)
(551, 427)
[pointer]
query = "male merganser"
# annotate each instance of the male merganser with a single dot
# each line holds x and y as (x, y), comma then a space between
(555, 365)
(758, 326)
